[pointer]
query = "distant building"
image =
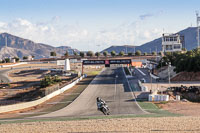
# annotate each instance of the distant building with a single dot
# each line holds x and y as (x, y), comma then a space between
(13, 60)
(172, 42)
(30, 57)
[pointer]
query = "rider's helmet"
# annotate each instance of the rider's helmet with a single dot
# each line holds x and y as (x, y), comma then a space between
(98, 99)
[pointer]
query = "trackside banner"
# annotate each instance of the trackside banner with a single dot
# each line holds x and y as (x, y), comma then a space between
(98, 62)
(93, 62)
(123, 61)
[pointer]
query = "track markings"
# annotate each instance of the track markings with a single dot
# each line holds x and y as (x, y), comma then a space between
(115, 87)
(133, 94)
(141, 72)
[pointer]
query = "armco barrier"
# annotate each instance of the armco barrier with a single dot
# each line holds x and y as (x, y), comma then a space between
(25, 105)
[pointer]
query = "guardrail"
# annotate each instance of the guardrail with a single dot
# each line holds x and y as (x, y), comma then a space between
(14, 107)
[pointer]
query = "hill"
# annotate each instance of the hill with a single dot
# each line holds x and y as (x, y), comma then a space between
(117, 49)
(20, 47)
(188, 33)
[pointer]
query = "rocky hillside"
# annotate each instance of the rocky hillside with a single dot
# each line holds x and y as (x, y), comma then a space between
(20, 47)
(118, 49)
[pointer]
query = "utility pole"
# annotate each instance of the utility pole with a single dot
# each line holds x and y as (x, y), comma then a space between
(150, 50)
(126, 50)
(169, 65)
(198, 20)
(6, 42)
(156, 54)
(156, 51)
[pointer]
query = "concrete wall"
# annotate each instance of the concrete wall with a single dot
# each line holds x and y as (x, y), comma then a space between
(25, 105)
(164, 86)
(21, 63)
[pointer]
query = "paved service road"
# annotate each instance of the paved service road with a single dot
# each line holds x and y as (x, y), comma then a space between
(3, 76)
(118, 96)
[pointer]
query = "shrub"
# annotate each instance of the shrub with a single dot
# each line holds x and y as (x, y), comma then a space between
(49, 80)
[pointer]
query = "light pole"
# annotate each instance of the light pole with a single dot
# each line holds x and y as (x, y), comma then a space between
(150, 78)
(161, 64)
(126, 49)
(169, 65)
(156, 54)
(150, 51)
(134, 50)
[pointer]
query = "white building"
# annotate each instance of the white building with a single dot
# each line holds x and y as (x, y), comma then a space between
(171, 43)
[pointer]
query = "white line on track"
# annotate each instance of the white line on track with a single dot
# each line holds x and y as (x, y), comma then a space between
(141, 72)
(153, 76)
(115, 88)
(133, 94)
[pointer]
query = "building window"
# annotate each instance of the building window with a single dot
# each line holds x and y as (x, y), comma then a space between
(177, 46)
(167, 39)
(175, 39)
(168, 47)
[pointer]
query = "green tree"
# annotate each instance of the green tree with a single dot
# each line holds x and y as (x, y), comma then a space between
(66, 54)
(130, 53)
(113, 53)
(16, 59)
(7, 60)
(190, 53)
(184, 49)
(97, 54)
(138, 53)
(25, 57)
(105, 53)
(82, 54)
(75, 53)
(154, 53)
(145, 53)
(49, 80)
(90, 53)
(121, 53)
(53, 53)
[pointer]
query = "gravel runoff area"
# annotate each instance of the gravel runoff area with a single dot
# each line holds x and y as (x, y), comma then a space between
(122, 125)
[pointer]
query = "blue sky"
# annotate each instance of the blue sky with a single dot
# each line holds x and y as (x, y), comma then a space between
(95, 24)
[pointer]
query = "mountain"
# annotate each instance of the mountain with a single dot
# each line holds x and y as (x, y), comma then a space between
(117, 49)
(20, 47)
(189, 34)
(69, 49)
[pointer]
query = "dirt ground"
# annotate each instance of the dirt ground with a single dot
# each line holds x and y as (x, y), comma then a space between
(27, 74)
(184, 108)
(45, 105)
(123, 125)
(188, 123)
(38, 108)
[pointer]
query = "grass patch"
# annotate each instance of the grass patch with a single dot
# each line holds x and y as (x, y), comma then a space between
(147, 105)
(86, 118)
(152, 108)
(127, 72)
(93, 73)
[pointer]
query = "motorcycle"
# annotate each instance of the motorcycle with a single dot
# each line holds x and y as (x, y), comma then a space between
(104, 108)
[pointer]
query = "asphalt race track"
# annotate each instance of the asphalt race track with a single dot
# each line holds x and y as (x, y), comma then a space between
(111, 88)
(3, 76)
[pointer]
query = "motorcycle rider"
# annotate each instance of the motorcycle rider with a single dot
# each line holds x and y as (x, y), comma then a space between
(100, 103)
